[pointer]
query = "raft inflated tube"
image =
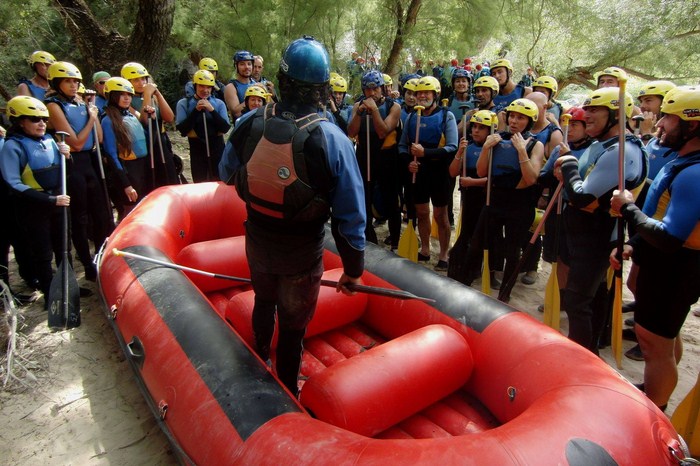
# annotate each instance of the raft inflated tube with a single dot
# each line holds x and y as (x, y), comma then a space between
(375, 390)
(333, 309)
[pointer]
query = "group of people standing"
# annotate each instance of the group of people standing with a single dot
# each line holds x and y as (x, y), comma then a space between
(505, 146)
(88, 151)
(508, 146)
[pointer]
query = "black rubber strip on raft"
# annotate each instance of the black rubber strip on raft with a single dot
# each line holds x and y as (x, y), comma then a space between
(246, 391)
(462, 303)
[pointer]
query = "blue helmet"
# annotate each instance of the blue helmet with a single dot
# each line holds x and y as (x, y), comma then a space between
(460, 73)
(242, 55)
(372, 79)
(306, 60)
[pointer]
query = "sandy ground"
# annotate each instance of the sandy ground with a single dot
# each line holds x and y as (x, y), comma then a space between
(77, 402)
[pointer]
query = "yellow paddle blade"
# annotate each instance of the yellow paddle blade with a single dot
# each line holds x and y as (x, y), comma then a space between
(486, 275)
(552, 304)
(408, 243)
(685, 418)
(616, 337)
(458, 227)
(434, 229)
(610, 277)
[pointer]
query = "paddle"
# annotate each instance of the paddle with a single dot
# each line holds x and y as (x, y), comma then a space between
(166, 178)
(456, 265)
(552, 298)
(685, 418)
(64, 293)
(150, 149)
(507, 287)
(408, 243)
(398, 294)
(105, 191)
(485, 272)
(206, 142)
(616, 337)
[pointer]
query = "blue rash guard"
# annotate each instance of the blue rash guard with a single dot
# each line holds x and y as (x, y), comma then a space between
(31, 166)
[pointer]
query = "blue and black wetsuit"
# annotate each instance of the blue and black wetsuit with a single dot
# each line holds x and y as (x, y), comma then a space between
(666, 247)
(589, 185)
(31, 167)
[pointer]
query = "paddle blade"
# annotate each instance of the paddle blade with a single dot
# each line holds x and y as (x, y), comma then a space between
(552, 303)
(458, 228)
(408, 243)
(685, 419)
(64, 298)
(434, 229)
(486, 274)
(616, 337)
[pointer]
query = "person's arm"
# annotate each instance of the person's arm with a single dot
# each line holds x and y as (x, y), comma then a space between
(234, 105)
(680, 219)
(58, 121)
(184, 120)
(355, 120)
(152, 98)
(348, 216)
(482, 163)
(531, 165)
(230, 162)
(220, 116)
(23, 89)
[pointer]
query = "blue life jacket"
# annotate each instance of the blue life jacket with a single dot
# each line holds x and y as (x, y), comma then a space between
(42, 168)
(502, 101)
(658, 157)
(77, 116)
(36, 91)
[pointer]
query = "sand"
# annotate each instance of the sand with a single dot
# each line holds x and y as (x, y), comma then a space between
(79, 404)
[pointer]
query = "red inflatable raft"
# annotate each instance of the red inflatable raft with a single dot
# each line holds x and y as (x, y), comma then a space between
(465, 381)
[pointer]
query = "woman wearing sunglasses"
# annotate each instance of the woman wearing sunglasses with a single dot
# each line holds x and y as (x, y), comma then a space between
(30, 162)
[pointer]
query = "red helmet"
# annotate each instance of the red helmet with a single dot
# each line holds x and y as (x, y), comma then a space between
(577, 114)
(468, 67)
(454, 62)
(467, 61)
(478, 67)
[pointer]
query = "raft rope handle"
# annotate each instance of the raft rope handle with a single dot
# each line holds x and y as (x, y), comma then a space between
(686, 461)
(511, 391)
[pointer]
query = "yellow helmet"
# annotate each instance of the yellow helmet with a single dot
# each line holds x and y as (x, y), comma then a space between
(208, 64)
(204, 77)
(256, 91)
(484, 117)
(614, 71)
(334, 75)
(387, 80)
(118, 85)
(411, 84)
(525, 106)
(428, 83)
(684, 102)
(338, 84)
(23, 105)
(547, 82)
(659, 88)
(63, 69)
(502, 62)
(81, 89)
(41, 57)
(488, 81)
(134, 70)
(609, 97)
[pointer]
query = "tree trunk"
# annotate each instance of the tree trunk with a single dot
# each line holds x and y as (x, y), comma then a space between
(404, 26)
(106, 49)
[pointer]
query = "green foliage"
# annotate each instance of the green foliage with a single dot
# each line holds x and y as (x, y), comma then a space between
(569, 39)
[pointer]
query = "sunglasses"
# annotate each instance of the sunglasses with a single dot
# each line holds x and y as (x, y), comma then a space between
(101, 83)
(36, 119)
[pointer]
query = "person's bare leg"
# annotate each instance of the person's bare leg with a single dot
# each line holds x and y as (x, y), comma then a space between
(660, 371)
